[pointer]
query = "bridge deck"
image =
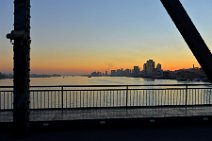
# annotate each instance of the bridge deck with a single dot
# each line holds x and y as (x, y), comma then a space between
(111, 113)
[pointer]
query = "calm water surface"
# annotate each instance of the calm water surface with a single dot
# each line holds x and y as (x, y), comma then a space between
(81, 97)
(81, 80)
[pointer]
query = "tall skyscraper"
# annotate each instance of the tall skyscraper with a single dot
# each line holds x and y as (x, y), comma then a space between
(149, 68)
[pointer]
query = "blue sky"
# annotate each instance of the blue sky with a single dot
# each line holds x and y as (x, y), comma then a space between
(79, 36)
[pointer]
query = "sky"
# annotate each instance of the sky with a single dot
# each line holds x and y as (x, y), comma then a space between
(81, 36)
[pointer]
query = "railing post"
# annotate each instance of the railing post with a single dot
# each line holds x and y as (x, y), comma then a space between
(186, 96)
(62, 97)
(126, 96)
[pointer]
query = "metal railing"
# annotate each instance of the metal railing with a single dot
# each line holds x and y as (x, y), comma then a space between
(106, 96)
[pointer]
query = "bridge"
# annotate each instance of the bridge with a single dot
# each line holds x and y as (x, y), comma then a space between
(22, 100)
(114, 103)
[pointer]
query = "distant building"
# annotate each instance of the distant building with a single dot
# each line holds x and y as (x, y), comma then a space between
(191, 74)
(113, 73)
(96, 74)
(149, 68)
(169, 75)
(121, 72)
(127, 72)
(158, 68)
(158, 71)
(106, 73)
(144, 69)
(150, 71)
(3, 76)
(136, 71)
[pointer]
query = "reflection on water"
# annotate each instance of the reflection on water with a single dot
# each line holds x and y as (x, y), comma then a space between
(77, 97)
(81, 80)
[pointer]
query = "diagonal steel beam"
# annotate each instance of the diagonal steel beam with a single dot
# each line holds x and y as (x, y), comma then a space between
(190, 34)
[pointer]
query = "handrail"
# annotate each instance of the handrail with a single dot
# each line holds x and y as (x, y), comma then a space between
(99, 96)
(34, 86)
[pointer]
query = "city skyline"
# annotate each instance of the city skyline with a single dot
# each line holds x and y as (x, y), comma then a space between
(103, 35)
(140, 67)
(154, 70)
(148, 68)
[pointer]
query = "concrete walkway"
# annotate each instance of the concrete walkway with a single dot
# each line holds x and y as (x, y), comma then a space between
(112, 113)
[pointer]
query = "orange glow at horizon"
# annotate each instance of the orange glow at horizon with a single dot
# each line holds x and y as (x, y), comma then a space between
(83, 37)
(87, 68)
(85, 62)
(68, 67)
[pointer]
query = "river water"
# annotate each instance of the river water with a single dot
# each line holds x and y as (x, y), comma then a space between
(83, 80)
(70, 97)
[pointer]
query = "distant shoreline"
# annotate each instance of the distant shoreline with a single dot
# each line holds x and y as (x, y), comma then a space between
(32, 76)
